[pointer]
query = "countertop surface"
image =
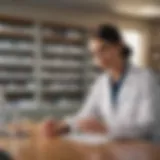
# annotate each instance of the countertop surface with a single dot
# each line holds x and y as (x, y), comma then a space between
(41, 148)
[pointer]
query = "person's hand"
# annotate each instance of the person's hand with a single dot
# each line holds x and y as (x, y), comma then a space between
(91, 125)
(49, 128)
(52, 128)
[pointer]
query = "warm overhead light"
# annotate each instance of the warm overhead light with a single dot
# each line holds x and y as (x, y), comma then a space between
(150, 10)
(142, 10)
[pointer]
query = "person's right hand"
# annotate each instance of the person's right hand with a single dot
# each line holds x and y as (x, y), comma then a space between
(92, 125)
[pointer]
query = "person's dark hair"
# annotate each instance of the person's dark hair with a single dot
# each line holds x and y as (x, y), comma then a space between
(5, 156)
(126, 52)
(111, 34)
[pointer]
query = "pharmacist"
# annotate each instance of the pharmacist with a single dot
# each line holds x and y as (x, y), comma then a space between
(122, 101)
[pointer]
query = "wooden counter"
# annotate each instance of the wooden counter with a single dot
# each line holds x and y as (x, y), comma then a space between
(59, 149)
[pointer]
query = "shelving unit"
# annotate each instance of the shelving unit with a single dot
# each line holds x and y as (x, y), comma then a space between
(42, 63)
(16, 59)
(63, 52)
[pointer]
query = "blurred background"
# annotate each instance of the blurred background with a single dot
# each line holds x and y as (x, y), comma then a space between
(45, 68)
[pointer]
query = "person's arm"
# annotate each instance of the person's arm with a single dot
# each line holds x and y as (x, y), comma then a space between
(88, 113)
(144, 118)
(89, 108)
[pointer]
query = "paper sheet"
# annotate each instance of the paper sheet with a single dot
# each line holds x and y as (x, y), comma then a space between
(94, 139)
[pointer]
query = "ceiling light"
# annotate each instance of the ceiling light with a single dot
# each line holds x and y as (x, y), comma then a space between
(150, 10)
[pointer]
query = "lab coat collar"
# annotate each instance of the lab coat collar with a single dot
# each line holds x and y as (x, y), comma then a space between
(107, 91)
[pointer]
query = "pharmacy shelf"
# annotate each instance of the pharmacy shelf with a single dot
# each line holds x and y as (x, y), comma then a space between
(15, 76)
(15, 49)
(41, 60)
(38, 114)
(60, 78)
(61, 64)
(63, 93)
(15, 34)
(58, 39)
(62, 87)
(19, 89)
(15, 20)
(63, 49)
(15, 62)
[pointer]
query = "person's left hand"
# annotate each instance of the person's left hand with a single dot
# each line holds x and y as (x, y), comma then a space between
(91, 125)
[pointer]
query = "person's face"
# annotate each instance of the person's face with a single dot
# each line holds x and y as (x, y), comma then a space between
(105, 55)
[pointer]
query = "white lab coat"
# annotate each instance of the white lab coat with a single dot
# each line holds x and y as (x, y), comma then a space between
(133, 116)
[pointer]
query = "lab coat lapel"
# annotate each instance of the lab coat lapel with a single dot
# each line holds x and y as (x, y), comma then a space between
(107, 101)
(115, 112)
(124, 91)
